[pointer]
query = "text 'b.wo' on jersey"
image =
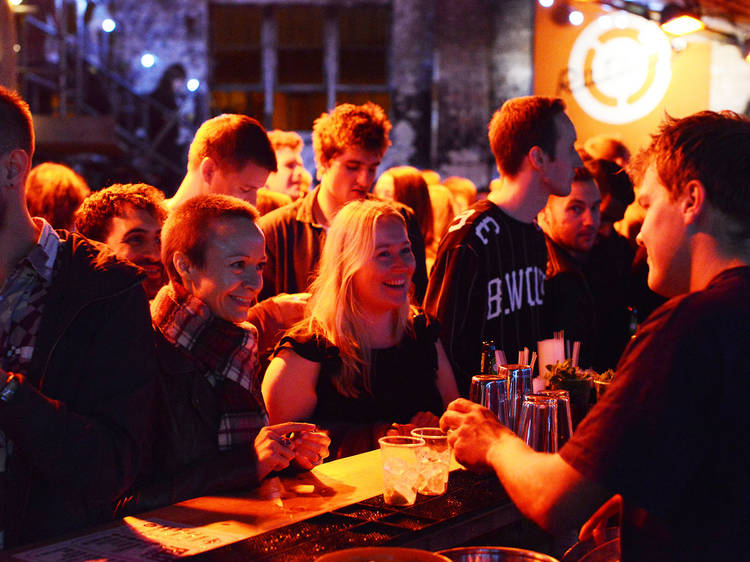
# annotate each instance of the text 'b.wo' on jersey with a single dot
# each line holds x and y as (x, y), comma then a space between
(487, 283)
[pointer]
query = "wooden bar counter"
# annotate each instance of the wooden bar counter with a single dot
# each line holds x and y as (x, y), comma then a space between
(296, 517)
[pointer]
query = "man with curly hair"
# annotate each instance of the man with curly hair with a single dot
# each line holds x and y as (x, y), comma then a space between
(128, 218)
(349, 143)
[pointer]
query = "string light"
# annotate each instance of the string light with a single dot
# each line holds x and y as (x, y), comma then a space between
(575, 17)
(148, 60)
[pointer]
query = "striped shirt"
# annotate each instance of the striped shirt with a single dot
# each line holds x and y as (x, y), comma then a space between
(487, 283)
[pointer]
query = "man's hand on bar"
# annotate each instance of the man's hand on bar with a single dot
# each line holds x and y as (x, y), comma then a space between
(472, 431)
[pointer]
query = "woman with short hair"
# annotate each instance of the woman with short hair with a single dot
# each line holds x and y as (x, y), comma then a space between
(212, 433)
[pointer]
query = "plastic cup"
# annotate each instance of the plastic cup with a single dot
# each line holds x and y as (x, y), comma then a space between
(434, 461)
(400, 468)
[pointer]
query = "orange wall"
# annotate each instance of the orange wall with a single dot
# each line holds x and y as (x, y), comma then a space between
(686, 92)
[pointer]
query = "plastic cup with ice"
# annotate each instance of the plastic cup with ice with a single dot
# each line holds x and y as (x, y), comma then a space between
(400, 468)
(434, 461)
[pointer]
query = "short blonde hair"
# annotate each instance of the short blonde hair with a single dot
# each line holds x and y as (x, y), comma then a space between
(285, 139)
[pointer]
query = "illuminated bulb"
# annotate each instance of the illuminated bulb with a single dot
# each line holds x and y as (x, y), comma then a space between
(193, 84)
(16, 48)
(575, 17)
(16, 2)
(682, 25)
(546, 3)
(148, 60)
(108, 25)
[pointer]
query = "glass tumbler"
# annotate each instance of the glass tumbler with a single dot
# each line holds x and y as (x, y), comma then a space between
(519, 385)
(537, 424)
(564, 419)
(491, 391)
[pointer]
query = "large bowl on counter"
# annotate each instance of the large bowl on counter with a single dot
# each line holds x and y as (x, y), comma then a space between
(382, 554)
(495, 554)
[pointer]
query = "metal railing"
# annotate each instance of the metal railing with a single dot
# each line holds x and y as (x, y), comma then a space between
(78, 84)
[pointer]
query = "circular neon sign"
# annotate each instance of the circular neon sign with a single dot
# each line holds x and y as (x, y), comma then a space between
(620, 68)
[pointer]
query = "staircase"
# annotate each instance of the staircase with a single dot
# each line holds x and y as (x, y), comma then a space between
(84, 111)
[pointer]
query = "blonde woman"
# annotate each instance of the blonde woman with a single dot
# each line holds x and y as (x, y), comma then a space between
(362, 362)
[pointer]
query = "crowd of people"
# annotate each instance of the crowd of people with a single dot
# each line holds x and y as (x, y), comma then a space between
(156, 350)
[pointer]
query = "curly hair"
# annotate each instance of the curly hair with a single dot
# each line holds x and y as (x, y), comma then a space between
(54, 192)
(94, 217)
(361, 126)
(521, 124)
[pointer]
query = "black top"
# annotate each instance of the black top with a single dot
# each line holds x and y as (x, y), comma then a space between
(403, 383)
(670, 434)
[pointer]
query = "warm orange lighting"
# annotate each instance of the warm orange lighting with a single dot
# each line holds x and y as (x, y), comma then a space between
(682, 25)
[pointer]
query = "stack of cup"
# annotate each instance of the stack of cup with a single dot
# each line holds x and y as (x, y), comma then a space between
(537, 424)
(564, 419)
(491, 391)
(519, 385)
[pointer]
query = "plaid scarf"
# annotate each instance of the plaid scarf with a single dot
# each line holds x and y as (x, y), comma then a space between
(229, 353)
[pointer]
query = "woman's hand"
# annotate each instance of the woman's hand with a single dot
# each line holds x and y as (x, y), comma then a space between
(310, 448)
(274, 450)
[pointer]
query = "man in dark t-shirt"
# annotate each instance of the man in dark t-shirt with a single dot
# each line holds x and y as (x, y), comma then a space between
(669, 438)
(487, 281)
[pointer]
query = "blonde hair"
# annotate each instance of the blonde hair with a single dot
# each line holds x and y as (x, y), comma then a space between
(334, 311)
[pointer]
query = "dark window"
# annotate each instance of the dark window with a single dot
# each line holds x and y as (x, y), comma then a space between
(287, 63)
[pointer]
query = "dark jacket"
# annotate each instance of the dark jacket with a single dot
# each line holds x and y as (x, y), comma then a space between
(568, 301)
(78, 420)
(185, 461)
(294, 242)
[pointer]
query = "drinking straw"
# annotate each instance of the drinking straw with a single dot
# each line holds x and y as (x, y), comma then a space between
(576, 351)
(500, 357)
